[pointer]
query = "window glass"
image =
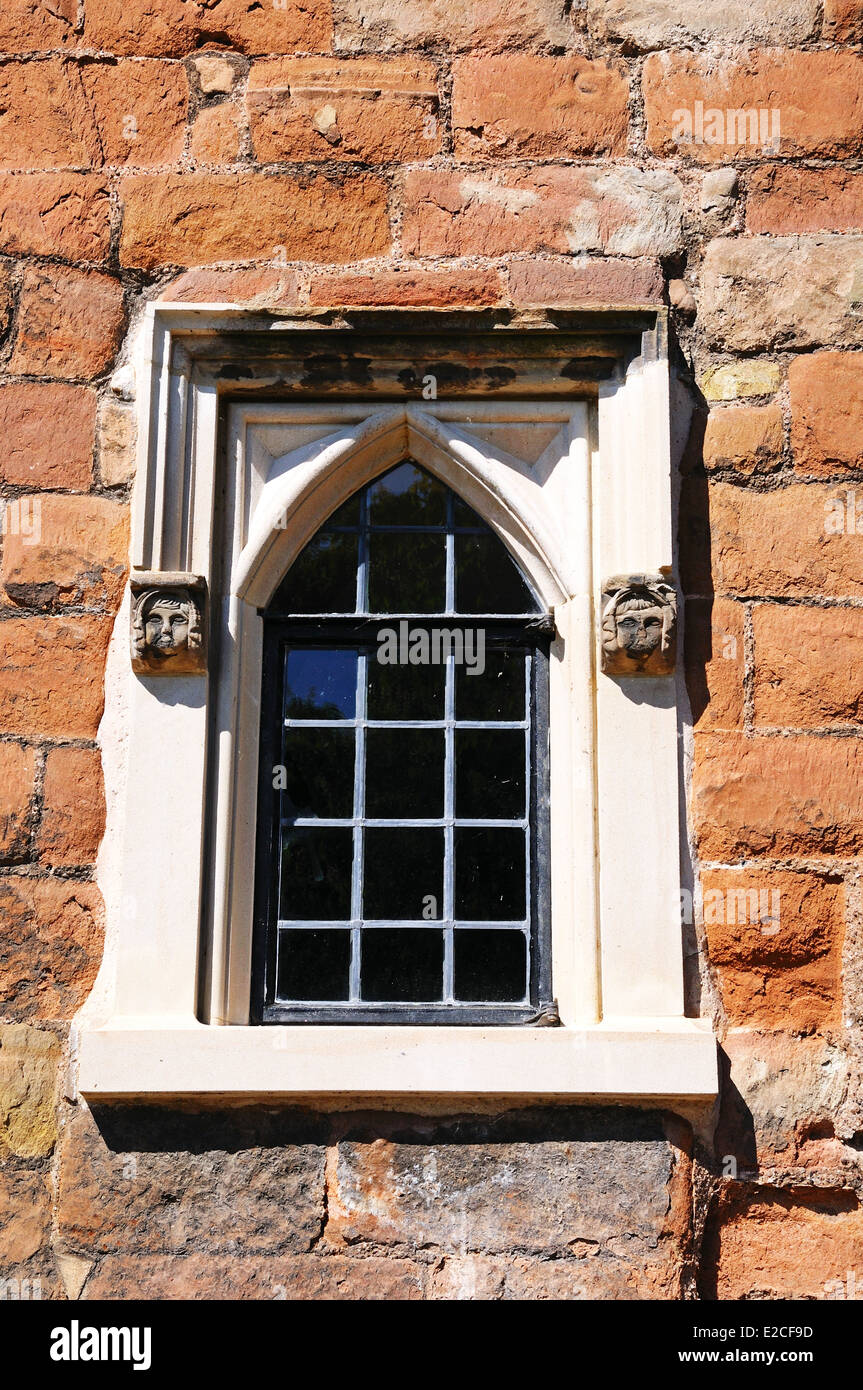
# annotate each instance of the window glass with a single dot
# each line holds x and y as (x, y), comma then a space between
(405, 842)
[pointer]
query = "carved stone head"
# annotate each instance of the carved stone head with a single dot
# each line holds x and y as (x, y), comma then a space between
(639, 625)
(167, 624)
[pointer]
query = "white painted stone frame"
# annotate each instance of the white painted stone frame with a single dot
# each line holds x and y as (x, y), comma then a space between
(176, 863)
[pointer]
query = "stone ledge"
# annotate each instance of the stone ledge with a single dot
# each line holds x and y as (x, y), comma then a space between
(662, 1058)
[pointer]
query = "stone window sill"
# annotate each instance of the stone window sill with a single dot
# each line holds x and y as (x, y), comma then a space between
(618, 1059)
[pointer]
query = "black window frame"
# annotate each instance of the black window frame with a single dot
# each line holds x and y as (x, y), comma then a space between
(532, 633)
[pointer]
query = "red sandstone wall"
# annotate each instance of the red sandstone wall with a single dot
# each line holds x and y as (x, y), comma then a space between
(450, 153)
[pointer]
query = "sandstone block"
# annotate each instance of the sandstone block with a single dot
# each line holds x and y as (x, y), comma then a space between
(531, 106)
(194, 219)
(620, 211)
(51, 676)
(52, 948)
(369, 109)
(765, 292)
(69, 322)
(81, 555)
(48, 435)
(827, 411)
(73, 807)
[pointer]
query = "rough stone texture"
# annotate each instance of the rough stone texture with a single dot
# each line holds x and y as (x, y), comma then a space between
(789, 796)
(191, 219)
(17, 778)
(35, 455)
(51, 676)
(29, 25)
(648, 24)
(714, 661)
(409, 288)
(785, 1088)
(819, 96)
(52, 946)
(585, 281)
(363, 109)
(512, 107)
(622, 211)
(69, 322)
(139, 110)
(73, 807)
(254, 288)
(775, 940)
(55, 215)
(776, 1244)
(29, 1059)
(735, 379)
(811, 299)
(843, 20)
(772, 543)
(215, 73)
(80, 557)
(216, 135)
(791, 643)
(175, 27)
(827, 412)
(747, 438)
(305, 1277)
(115, 442)
(46, 121)
(558, 1192)
(785, 199)
(25, 1221)
(376, 24)
(236, 1183)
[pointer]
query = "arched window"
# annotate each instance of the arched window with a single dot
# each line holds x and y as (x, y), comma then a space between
(402, 855)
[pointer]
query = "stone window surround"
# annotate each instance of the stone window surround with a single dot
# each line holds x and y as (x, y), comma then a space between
(168, 1015)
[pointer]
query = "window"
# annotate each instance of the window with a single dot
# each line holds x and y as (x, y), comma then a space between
(402, 842)
(268, 450)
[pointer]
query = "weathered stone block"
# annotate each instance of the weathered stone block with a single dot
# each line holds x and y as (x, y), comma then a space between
(618, 210)
(526, 105)
(714, 659)
(65, 215)
(770, 1243)
(827, 411)
(193, 219)
(798, 796)
(69, 322)
(153, 1182)
(407, 287)
(807, 668)
(818, 97)
(775, 939)
(73, 807)
(783, 199)
(47, 433)
(51, 676)
(52, 946)
(80, 555)
(812, 292)
(17, 778)
(747, 438)
(370, 109)
(29, 1058)
(175, 27)
(370, 25)
(647, 24)
(561, 1187)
